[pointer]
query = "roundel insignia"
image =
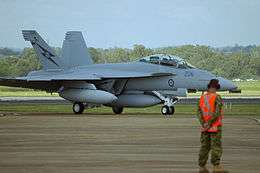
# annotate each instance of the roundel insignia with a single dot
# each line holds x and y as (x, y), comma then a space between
(171, 83)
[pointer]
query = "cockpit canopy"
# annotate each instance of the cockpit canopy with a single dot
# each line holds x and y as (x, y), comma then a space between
(167, 60)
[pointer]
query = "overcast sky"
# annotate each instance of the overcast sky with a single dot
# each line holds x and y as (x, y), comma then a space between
(122, 23)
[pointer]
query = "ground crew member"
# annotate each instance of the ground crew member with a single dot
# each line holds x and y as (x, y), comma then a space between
(210, 115)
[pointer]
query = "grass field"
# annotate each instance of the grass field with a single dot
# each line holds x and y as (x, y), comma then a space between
(248, 89)
(249, 110)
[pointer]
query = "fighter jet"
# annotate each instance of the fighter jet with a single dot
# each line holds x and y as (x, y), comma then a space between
(152, 80)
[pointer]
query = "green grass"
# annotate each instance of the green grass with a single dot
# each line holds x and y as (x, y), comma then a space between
(249, 86)
(22, 92)
(248, 110)
(248, 89)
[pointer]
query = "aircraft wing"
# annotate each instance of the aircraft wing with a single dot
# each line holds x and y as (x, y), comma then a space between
(52, 82)
(75, 76)
(19, 82)
(11, 82)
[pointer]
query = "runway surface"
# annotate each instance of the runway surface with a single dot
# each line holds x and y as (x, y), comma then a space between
(183, 100)
(41, 143)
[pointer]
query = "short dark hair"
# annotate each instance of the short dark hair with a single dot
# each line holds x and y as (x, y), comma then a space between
(214, 83)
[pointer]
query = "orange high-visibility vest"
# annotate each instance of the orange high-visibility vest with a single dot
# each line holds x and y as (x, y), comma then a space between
(208, 108)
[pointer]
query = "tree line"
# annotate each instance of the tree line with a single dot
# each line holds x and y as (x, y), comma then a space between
(241, 63)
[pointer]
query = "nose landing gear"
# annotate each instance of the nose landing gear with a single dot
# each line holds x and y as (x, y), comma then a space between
(167, 108)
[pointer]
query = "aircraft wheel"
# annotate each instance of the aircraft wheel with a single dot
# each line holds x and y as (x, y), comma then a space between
(171, 110)
(165, 110)
(78, 108)
(117, 110)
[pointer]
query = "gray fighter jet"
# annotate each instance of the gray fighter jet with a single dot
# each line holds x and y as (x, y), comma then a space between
(155, 79)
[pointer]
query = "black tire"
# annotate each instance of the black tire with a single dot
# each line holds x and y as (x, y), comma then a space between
(165, 110)
(78, 108)
(117, 110)
(171, 110)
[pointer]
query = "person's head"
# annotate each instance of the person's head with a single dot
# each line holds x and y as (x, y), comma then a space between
(213, 85)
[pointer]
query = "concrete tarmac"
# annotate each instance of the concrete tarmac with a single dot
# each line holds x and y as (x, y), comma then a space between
(40, 143)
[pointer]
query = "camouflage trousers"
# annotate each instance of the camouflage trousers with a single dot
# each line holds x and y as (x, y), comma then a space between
(210, 141)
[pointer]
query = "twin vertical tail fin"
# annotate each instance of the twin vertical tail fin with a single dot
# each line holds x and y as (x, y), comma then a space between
(74, 51)
(45, 53)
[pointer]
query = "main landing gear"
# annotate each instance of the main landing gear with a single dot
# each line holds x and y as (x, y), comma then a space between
(78, 107)
(117, 110)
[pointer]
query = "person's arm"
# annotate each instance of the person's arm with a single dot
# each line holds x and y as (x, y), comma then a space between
(218, 105)
(199, 114)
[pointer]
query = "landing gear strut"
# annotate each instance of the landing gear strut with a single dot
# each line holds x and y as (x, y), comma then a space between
(78, 108)
(117, 110)
(168, 108)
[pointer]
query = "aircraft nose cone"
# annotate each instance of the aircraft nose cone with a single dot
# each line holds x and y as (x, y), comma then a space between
(226, 84)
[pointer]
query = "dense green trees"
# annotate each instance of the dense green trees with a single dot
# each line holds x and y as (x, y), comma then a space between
(239, 62)
(8, 52)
